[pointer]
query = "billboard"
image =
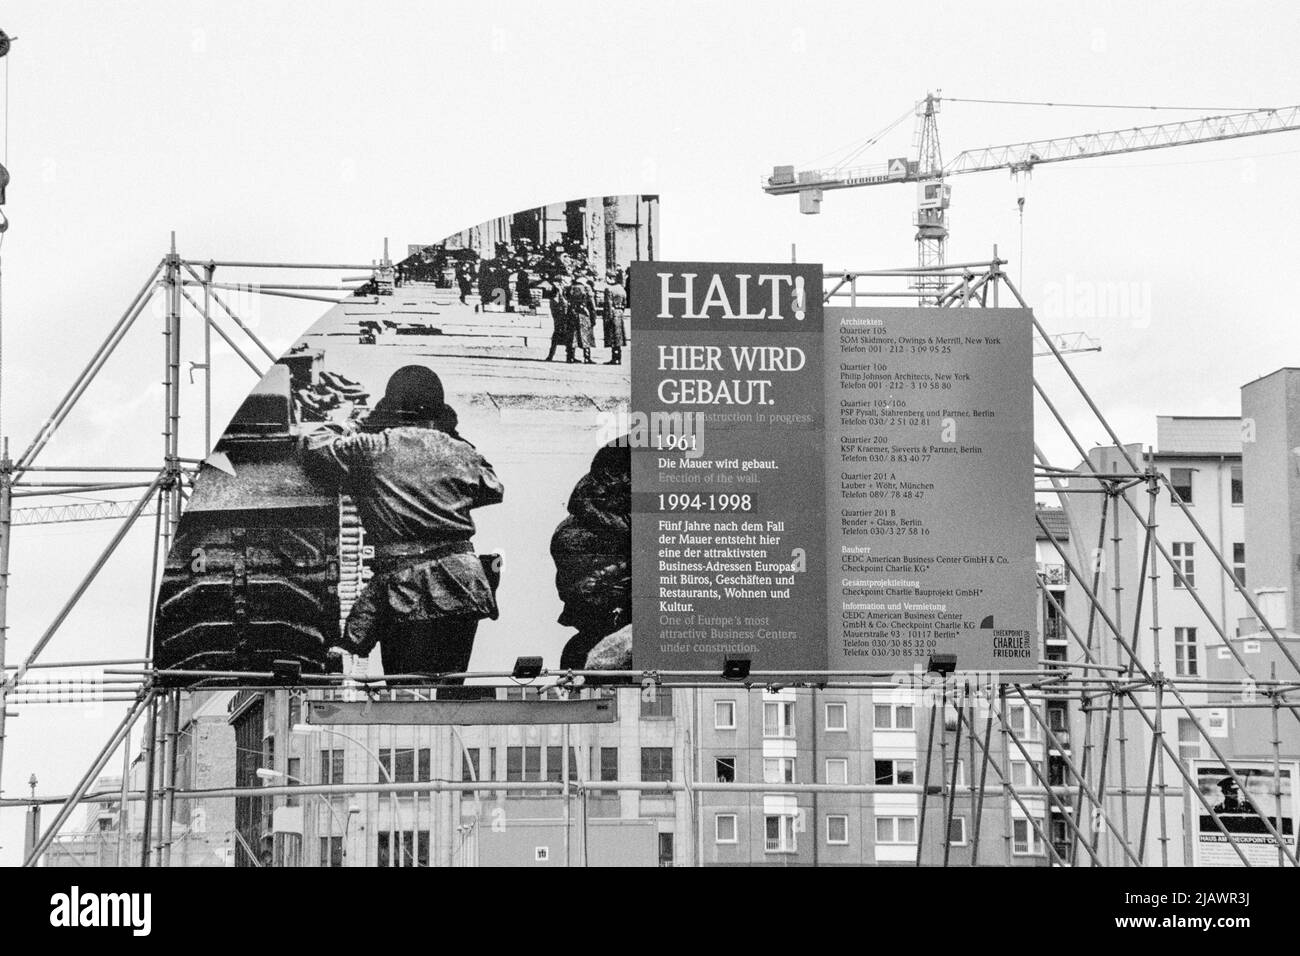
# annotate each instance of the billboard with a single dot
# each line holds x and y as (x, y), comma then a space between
(478, 465)
(929, 490)
(1272, 788)
(429, 479)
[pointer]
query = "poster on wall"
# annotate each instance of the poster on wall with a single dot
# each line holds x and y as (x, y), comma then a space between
(1270, 787)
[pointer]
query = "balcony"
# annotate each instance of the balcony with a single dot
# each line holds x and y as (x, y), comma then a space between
(1054, 631)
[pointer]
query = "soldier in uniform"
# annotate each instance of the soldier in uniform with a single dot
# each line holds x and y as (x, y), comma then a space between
(1232, 802)
(415, 481)
(613, 309)
(561, 336)
(582, 316)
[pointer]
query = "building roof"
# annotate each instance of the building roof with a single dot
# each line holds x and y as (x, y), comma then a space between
(1198, 435)
(1054, 520)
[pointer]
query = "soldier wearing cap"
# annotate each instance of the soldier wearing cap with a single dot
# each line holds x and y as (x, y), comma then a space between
(415, 481)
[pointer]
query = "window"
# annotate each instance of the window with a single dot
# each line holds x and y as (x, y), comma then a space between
(1020, 773)
(656, 702)
(292, 778)
(470, 767)
(894, 773)
(523, 763)
(724, 828)
(1238, 487)
(1184, 553)
(778, 834)
(401, 763)
(608, 763)
(1058, 718)
(724, 715)
(895, 829)
(778, 770)
(837, 829)
(837, 770)
(656, 763)
(331, 851)
(1024, 839)
(665, 849)
(724, 769)
(837, 716)
(957, 831)
(1056, 771)
(1186, 663)
(961, 773)
(893, 717)
(1181, 479)
(1189, 739)
(1023, 724)
(402, 848)
(778, 718)
(555, 764)
(331, 766)
(1239, 562)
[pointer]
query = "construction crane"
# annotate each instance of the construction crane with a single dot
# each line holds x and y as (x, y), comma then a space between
(79, 511)
(1068, 343)
(928, 170)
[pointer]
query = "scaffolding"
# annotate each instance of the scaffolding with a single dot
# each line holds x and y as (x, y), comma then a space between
(1108, 819)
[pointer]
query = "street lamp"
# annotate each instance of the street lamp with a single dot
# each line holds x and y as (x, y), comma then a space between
(265, 773)
(308, 729)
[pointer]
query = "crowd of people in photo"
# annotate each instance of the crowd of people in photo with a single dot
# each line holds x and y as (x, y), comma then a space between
(557, 278)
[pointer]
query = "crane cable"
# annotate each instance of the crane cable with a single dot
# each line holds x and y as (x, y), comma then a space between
(874, 139)
(856, 150)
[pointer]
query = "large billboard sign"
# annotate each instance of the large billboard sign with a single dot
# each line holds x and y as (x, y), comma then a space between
(534, 441)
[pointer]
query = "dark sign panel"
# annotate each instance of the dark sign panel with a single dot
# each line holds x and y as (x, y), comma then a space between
(727, 516)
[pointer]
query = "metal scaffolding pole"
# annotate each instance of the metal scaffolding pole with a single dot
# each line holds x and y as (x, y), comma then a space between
(88, 778)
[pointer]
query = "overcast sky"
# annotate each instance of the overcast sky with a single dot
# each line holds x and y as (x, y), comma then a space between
(311, 132)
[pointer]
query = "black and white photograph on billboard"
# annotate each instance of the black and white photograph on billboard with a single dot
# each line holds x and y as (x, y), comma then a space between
(420, 483)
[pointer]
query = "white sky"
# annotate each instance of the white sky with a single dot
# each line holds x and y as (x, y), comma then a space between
(310, 132)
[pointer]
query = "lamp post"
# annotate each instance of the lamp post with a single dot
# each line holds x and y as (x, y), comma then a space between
(265, 773)
(308, 729)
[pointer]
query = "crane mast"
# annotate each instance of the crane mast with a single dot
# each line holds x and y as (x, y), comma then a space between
(932, 197)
